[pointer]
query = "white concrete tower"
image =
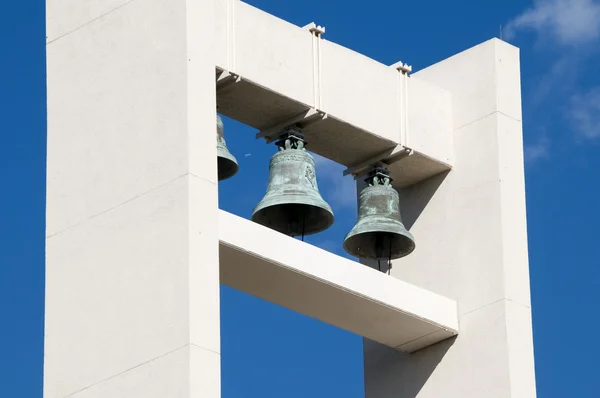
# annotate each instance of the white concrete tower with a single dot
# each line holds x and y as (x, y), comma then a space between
(132, 290)
(470, 229)
(136, 245)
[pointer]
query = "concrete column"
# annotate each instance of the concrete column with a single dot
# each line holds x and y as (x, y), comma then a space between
(132, 280)
(470, 229)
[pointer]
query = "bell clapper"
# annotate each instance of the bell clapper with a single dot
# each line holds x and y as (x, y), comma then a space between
(303, 223)
(380, 246)
(389, 271)
(294, 224)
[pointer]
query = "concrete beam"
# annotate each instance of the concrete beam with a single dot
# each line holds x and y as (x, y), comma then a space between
(335, 290)
(287, 71)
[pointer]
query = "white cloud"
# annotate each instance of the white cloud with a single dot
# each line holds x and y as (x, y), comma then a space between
(584, 114)
(570, 22)
(569, 31)
(340, 190)
(538, 151)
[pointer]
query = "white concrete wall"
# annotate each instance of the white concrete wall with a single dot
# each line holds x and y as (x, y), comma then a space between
(470, 231)
(132, 290)
(428, 126)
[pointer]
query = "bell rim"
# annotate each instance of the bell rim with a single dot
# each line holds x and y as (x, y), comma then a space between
(232, 169)
(330, 216)
(387, 226)
(293, 199)
(411, 248)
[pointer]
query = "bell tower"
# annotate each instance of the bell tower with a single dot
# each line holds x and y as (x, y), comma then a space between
(136, 246)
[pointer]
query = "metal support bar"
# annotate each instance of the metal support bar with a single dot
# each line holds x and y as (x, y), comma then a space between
(402, 68)
(303, 119)
(227, 79)
(386, 157)
(315, 29)
(317, 32)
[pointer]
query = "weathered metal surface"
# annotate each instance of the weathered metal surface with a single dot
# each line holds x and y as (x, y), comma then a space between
(227, 164)
(379, 232)
(293, 204)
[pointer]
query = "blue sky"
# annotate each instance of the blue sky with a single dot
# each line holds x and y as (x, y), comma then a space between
(269, 351)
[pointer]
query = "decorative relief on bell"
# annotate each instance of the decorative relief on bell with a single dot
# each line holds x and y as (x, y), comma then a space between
(311, 177)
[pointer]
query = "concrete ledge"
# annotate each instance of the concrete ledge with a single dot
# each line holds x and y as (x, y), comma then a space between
(335, 290)
(283, 70)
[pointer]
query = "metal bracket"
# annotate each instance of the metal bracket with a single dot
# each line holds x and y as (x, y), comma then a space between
(227, 79)
(402, 68)
(302, 120)
(316, 32)
(387, 157)
(315, 29)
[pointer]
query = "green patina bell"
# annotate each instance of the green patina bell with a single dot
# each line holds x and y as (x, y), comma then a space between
(293, 204)
(379, 233)
(227, 165)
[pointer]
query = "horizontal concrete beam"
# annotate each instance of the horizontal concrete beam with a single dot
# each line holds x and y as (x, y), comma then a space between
(335, 290)
(270, 71)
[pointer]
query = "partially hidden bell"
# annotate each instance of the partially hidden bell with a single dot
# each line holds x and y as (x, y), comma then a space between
(379, 232)
(227, 164)
(293, 204)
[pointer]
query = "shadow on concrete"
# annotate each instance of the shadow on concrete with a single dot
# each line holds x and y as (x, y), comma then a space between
(415, 198)
(393, 374)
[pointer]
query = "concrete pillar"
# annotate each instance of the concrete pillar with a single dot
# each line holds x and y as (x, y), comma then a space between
(470, 230)
(132, 281)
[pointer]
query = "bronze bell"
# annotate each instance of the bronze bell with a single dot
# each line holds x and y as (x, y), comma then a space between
(293, 204)
(227, 165)
(379, 233)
